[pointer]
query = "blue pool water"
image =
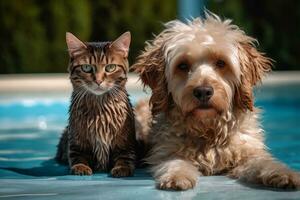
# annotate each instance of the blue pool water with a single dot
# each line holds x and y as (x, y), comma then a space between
(30, 129)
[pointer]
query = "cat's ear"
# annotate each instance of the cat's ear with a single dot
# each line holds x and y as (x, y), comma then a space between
(121, 44)
(75, 46)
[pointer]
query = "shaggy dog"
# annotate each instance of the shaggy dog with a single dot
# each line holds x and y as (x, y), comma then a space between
(202, 75)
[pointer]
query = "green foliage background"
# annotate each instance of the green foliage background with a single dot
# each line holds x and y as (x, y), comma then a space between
(275, 23)
(32, 36)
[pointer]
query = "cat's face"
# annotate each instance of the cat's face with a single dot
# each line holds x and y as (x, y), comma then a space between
(98, 66)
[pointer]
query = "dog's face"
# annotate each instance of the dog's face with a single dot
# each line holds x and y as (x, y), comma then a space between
(201, 74)
(206, 68)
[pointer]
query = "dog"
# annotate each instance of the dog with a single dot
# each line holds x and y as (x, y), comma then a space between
(203, 118)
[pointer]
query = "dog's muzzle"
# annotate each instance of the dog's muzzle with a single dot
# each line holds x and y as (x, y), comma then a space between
(203, 93)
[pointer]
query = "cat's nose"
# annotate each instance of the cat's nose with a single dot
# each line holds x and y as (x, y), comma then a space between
(98, 82)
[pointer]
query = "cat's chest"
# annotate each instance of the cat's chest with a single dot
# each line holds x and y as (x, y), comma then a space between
(99, 119)
(106, 118)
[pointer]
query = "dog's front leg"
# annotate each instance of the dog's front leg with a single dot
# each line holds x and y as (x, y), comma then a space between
(175, 174)
(265, 170)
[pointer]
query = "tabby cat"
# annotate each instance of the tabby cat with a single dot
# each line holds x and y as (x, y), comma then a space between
(100, 135)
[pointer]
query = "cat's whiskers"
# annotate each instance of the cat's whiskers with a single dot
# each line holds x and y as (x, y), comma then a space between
(75, 95)
(80, 93)
(81, 97)
(93, 91)
(116, 92)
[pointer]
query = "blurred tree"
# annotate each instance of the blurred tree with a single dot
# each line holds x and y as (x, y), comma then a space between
(22, 37)
(273, 22)
(33, 32)
(32, 36)
(59, 17)
(141, 18)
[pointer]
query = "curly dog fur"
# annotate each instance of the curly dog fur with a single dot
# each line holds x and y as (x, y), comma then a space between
(204, 122)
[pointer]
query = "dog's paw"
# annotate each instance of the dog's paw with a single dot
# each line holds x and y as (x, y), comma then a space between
(176, 182)
(122, 171)
(81, 169)
(282, 179)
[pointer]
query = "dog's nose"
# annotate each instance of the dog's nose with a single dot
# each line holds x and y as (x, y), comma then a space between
(203, 93)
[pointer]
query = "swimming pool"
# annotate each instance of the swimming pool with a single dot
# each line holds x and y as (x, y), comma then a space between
(30, 129)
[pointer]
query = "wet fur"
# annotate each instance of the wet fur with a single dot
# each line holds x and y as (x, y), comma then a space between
(185, 146)
(100, 135)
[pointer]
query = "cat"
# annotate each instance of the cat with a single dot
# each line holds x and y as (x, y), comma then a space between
(100, 135)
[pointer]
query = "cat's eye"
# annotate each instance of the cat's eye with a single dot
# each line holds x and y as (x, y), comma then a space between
(110, 68)
(87, 68)
(220, 63)
(183, 66)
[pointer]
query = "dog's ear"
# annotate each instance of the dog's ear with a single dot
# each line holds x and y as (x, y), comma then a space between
(254, 65)
(150, 66)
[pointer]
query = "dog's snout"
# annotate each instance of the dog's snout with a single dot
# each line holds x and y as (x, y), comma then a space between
(203, 93)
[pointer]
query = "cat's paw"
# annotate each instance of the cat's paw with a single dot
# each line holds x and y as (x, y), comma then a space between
(81, 169)
(122, 171)
(176, 182)
(282, 179)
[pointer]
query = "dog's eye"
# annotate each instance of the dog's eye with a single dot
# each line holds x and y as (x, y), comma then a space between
(183, 66)
(220, 63)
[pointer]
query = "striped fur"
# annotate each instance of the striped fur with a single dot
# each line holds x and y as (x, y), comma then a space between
(100, 135)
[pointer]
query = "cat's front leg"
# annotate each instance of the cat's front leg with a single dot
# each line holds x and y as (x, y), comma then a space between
(79, 161)
(123, 163)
